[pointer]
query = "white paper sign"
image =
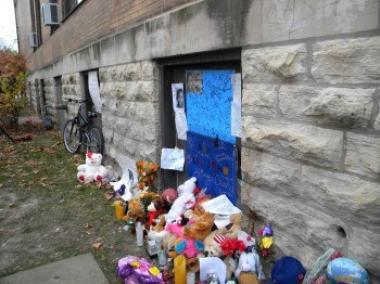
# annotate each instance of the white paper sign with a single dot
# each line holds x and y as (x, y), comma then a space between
(178, 96)
(172, 159)
(236, 105)
(93, 88)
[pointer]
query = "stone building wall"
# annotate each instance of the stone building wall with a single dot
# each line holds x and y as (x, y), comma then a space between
(32, 95)
(50, 99)
(71, 89)
(311, 145)
(130, 113)
(311, 123)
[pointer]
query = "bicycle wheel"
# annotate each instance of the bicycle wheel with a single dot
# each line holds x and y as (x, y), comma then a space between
(71, 136)
(95, 143)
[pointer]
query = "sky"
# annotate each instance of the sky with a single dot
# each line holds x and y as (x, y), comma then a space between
(7, 24)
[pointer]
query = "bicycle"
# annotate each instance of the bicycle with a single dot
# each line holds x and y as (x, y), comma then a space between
(77, 132)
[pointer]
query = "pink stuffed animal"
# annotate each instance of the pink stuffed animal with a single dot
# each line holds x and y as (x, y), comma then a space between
(188, 247)
(92, 170)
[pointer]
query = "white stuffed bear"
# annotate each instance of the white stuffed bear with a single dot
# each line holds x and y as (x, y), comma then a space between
(185, 200)
(92, 170)
(250, 262)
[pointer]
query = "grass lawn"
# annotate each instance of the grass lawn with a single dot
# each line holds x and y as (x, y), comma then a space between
(46, 215)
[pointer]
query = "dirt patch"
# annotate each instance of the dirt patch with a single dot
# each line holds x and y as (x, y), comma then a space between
(44, 212)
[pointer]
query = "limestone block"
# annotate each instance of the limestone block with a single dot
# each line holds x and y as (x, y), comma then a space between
(271, 20)
(355, 200)
(71, 79)
(273, 64)
(108, 135)
(323, 147)
(48, 82)
(144, 112)
(109, 120)
(327, 106)
(365, 253)
(350, 198)
(149, 71)
(139, 150)
(347, 60)
(142, 91)
(268, 171)
(306, 232)
(136, 130)
(132, 72)
(259, 99)
(300, 230)
(377, 121)
(113, 90)
(363, 154)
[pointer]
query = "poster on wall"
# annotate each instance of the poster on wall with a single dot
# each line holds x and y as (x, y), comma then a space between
(179, 110)
(236, 105)
(93, 88)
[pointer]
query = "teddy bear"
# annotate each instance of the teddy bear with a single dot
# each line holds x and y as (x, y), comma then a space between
(155, 209)
(250, 262)
(185, 200)
(199, 227)
(185, 246)
(92, 170)
(137, 206)
(214, 240)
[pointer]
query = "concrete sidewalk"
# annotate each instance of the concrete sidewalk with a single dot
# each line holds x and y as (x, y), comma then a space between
(81, 269)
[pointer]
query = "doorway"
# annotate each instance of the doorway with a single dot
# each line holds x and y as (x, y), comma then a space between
(212, 153)
(60, 111)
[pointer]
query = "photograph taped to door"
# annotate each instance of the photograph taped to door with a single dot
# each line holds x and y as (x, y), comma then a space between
(178, 96)
(178, 99)
(194, 82)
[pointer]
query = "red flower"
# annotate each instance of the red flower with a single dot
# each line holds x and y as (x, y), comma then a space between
(229, 246)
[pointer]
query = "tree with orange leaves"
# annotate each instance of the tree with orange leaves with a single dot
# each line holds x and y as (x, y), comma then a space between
(12, 83)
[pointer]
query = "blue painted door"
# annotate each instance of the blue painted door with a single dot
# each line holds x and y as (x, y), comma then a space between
(211, 150)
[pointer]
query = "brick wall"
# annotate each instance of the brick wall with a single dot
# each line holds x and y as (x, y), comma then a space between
(92, 20)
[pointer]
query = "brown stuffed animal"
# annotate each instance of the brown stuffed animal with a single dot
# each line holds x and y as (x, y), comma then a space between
(211, 242)
(200, 226)
(137, 207)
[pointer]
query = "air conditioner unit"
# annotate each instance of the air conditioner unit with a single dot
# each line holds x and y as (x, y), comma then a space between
(32, 38)
(50, 14)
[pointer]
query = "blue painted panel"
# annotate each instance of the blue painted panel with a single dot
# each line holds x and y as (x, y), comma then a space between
(213, 164)
(209, 112)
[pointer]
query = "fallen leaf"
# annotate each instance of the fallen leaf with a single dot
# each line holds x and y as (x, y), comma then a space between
(97, 245)
(108, 196)
(88, 226)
